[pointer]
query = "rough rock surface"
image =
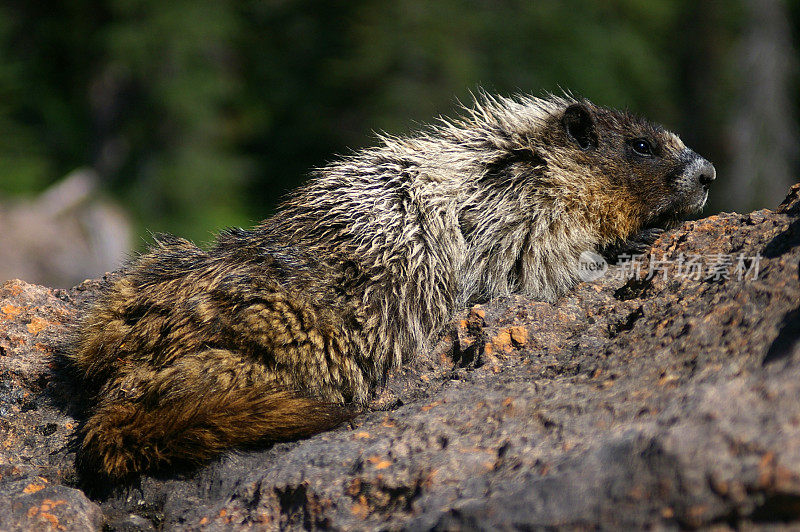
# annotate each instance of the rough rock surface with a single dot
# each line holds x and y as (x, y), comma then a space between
(665, 400)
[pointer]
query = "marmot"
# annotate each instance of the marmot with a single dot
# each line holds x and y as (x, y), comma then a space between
(277, 332)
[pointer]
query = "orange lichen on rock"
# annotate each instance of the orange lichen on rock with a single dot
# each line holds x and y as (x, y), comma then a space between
(37, 324)
(10, 311)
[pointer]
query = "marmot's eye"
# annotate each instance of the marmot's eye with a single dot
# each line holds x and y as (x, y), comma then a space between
(642, 147)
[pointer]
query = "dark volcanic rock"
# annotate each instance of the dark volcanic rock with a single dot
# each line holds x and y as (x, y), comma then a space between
(33, 504)
(663, 400)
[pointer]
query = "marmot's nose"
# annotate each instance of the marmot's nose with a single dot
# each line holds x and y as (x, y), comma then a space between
(698, 171)
(706, 173)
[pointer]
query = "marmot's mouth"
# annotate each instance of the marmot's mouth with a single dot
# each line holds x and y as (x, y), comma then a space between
(675, 214)
(701, 203)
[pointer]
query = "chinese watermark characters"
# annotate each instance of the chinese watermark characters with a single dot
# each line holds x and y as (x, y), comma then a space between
(712, 267)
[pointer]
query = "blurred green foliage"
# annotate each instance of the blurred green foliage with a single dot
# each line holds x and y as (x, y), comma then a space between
(201, 114)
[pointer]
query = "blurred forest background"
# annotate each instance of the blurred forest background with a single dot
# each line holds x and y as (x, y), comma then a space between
(187, 116)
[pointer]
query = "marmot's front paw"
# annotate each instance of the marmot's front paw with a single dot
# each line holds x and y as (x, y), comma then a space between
(644, 240)
(637, 244)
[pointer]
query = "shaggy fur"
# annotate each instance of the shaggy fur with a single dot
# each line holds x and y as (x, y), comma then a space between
(272, 332)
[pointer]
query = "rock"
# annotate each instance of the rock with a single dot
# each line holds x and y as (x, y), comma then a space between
(663, 399)
(31, 503)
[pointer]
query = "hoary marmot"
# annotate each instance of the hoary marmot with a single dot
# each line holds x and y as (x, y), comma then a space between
(278, 331)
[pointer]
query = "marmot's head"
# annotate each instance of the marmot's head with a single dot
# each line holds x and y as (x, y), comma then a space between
(608, 170)
(645, 163)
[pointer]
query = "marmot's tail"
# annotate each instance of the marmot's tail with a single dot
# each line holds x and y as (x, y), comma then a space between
(178, 416)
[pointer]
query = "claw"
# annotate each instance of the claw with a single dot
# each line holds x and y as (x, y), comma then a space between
(635, 245)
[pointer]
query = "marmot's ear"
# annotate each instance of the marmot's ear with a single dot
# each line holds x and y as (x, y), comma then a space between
(579, 124)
